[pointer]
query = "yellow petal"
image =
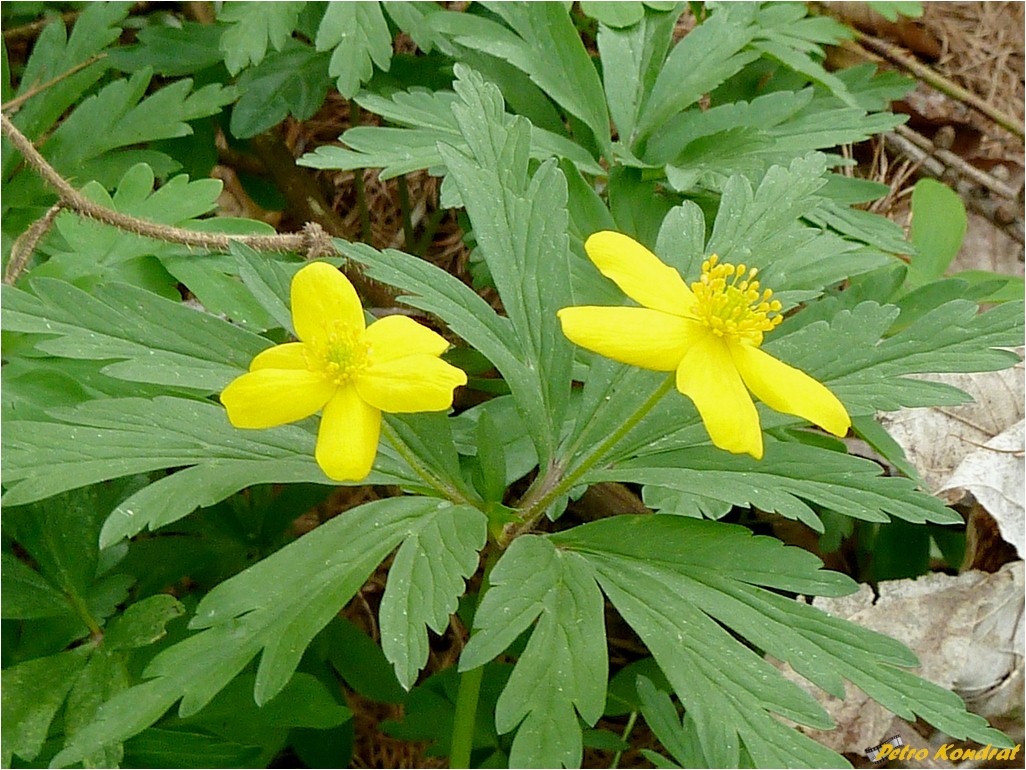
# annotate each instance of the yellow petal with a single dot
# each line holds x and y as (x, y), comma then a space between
(287, 356)
(417, 383)
(395, 336)
(321, 295)
(639, 273)
(708, 377)
(347, 441)
(786, 389)
(269, 397)
(638, 336)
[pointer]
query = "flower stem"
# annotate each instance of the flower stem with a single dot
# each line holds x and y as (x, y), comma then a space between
(626, 734)
(440, 485)
(554, 483)
(462, 739)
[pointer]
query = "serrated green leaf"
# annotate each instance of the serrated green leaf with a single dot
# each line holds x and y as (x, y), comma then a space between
(293, 81)
(268, 280)
(520, 224)
(359, 35)
(708, 55)
(143, 622)
(252, 27)
(32, 693)
(789, 474)
(155, 339)
(171, 51)
(54, 55)
(938, 227)
(425, 582)
(542, 42)
(872, 374)
(160, 747)
(661, 715)
(104, 675)
(427, 119)
(278, 605)
(562, 671)
(729, 690)
(631, 60)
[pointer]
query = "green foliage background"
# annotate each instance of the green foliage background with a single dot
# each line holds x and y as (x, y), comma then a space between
(122, 475)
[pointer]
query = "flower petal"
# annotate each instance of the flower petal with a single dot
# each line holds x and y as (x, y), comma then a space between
(320, 296)
(287, 356)
(395, 336)
(639, 273)
(269, 397)
(786, 389)
(638, 336)
(708, 377)
(347, 441)
(417, 383)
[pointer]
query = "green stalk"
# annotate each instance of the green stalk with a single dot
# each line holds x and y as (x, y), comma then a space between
(440, 485)
(469, 691)
(404, 208)
(626, 734)
(366, 234)
(553, 483)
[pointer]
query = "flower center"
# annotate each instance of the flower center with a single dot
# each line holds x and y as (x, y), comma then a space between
(340, 355)
(730, 302)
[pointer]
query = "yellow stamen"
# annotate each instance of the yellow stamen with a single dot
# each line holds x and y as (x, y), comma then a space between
(339, 356)
(734, 308)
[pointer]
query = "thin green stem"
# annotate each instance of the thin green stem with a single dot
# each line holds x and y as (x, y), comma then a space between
(469, 692)
(440, 485)
(623, 737)
(404, 209)
(556, 481)
(366, 234)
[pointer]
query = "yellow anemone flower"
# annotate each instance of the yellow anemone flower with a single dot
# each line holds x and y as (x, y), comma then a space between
(351, 371)
(708, 334)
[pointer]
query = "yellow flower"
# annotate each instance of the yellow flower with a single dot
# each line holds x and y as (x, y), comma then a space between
(708, 334)
(352, 372)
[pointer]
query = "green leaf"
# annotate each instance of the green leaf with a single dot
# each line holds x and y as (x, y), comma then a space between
(938, 227)
(704, 58)
(667, 577)
(631, 59)
(160, 747)
(788, 475)
(32, 693)
(542, 42)
(269, 281)
(871, 375)
(142, 623)
(171, 51)
(293, 81)
(425, 582)
(681, 740)
(359, 35)
(427, 119)
(54, 55)
(109, 438)
(563, 669)
(104, 675)
(119, 116)
(153, 339)
(278, 605)
(28, 594)
(520, 223)
(361, 663)
(251, 27)
(614, 14)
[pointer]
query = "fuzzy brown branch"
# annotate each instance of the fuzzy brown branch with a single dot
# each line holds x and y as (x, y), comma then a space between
(26, 243)
(313, 241)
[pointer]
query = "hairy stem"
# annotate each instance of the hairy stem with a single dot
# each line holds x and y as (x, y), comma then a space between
(557, 480)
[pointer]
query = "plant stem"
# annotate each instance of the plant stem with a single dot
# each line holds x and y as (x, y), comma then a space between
(623, 737)
(440, 485)
(462, 740)
(404, 209)
(554, 483)
(366, 234)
